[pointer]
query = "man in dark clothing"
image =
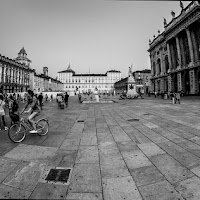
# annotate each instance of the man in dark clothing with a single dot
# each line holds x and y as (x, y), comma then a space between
(66, 99)
(40, 99)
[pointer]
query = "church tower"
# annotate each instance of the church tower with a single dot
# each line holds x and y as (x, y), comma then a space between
(22, 58)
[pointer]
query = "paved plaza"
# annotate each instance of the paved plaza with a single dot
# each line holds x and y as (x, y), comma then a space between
(143, 149)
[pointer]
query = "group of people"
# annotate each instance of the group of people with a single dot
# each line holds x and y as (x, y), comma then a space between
(62, 99)
(176, 97)
(32, 106)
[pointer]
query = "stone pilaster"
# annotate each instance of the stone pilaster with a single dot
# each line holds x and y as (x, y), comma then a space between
(195, 47)
(192, 81)
(190, 45)
(170, 83)
(179, 81)
(196, 82)
(169, 57)
(178, 52)
(156, 85)
(162, 85)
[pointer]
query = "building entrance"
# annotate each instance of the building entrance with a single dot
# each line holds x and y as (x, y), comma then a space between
(175, 80)
(187, 82)
(198, 75)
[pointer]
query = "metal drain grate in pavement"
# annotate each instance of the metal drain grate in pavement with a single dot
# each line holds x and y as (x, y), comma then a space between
(146, 114)
(80, 120)
(132, 120)
(58, 175)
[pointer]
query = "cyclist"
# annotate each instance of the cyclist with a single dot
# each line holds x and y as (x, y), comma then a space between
(34, 109)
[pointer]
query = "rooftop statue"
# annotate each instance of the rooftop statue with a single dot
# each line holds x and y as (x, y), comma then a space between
(165, 22)
(173, 13)
(181, 5)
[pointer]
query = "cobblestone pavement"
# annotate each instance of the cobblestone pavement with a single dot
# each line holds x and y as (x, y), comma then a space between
(144, 149)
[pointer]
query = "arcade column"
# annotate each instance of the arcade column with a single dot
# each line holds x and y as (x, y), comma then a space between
(192, 81)
(170, 83)
(179, 81)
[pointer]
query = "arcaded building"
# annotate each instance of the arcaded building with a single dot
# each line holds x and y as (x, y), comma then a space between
(88, 82)
(175, 53)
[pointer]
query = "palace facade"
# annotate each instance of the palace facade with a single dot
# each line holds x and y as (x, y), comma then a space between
(175, 53)
(88, 82)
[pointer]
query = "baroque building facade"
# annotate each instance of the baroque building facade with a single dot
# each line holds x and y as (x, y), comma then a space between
(88, 82)
(15, 73)
(16, 76)
(175, 53)
(142, 81)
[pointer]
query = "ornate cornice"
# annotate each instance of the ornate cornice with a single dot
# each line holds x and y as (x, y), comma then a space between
(13, 62)
(187, 16)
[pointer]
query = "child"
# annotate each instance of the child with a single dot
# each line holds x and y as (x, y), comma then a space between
(2, 111)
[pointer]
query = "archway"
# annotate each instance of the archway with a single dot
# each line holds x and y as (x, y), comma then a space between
(187, 82)
(159, 67)
(166, 64)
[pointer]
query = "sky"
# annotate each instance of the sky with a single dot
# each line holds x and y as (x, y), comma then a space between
(94, 36)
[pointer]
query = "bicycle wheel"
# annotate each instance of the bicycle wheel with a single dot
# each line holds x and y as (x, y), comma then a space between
(17, 132)
(42, 127)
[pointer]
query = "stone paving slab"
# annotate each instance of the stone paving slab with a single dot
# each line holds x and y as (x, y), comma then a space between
(85, 178)
(25, 176)
(154, 158)
(84, 196)
(87, 154)
(146, 175)
(120, 188)
(159, 191)
(49, 191)
(31, 152)
(172, 169)
(7, 192)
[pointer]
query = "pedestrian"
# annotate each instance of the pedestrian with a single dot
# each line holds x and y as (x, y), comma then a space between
(46, 97)
(173, 97)
(13, 110)
(178, 97)
(60, 100)
(51, 97)
(79, 97)
(155, 94)
(2, 111)
(141, 93)
(66, 98)
(40, 100)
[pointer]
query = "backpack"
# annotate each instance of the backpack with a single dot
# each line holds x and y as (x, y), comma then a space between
(15, 106)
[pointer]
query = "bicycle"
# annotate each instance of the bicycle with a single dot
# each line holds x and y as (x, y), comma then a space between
(17, 132)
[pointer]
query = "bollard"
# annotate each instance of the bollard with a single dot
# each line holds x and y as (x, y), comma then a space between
(173, 100)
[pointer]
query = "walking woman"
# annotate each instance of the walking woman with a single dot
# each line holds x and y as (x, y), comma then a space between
(2, 111)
